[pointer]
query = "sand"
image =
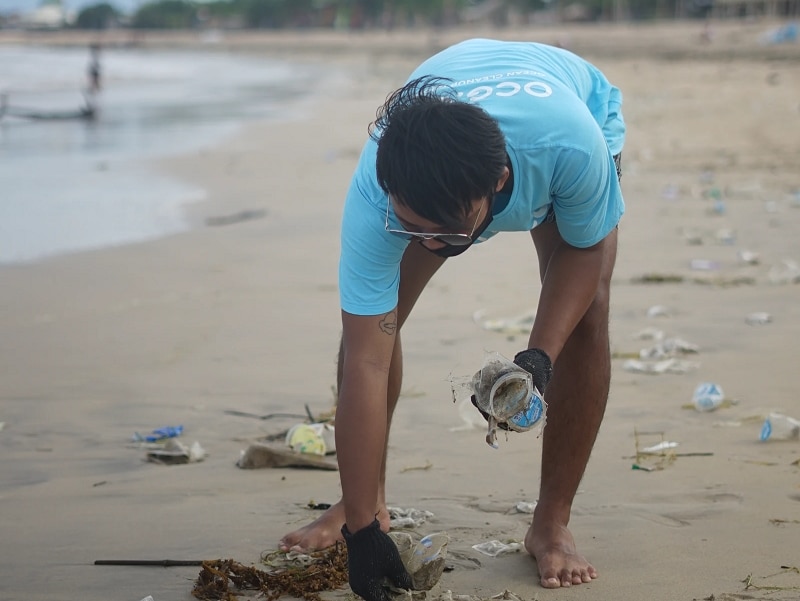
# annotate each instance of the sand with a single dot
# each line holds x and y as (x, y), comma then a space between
(97, 346)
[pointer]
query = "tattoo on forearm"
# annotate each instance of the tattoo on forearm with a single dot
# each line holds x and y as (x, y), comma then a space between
(388, 323)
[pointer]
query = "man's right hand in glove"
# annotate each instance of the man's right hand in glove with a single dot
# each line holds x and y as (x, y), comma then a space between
(372, 557)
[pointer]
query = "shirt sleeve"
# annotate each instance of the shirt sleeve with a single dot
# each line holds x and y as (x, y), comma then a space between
(369, 263)
(587, 199)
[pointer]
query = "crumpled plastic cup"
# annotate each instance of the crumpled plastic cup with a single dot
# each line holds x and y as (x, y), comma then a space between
(707, 396)
(312, 439)
(424, 559)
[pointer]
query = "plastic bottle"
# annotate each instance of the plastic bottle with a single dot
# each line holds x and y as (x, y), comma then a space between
(707, 396)
(780, 427)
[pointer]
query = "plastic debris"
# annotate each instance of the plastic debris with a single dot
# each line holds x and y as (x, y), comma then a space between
(725, 236)
(669, 347)
(314, 439)
(704, 265)
(654, 456)
(788, 272)
(708, 396)
(659, 311)
(525, 506)
(666, 366)
(649, 334)
(175, 452)
(778, 426)
(159, 434)
(449, 595)
(520, 324)
(781, 35)
(493, 548)
(758, 318)
(660, 447)
(424, 559)
(748, 257)
(264, 455)
(408, 518)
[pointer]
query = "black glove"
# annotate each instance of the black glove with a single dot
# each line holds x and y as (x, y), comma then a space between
(371, 557)
(537, 363)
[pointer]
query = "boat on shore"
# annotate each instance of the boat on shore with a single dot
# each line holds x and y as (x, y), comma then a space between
(86, 112)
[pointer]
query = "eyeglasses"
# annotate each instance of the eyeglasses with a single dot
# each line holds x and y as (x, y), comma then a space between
(449, 239)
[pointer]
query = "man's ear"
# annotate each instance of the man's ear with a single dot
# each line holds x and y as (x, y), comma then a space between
(503, 179)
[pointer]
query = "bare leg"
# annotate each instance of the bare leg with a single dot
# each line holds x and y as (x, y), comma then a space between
(416, 270)
(576, 398)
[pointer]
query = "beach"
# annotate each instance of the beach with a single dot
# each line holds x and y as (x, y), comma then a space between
(239, 311)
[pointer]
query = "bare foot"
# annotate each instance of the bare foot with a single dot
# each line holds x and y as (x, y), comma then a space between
(559, 562)
(324, 531)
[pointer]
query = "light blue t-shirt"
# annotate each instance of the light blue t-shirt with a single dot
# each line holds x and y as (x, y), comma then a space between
(563, 124)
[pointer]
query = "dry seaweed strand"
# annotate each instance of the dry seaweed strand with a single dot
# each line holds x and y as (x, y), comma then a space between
(224, 579)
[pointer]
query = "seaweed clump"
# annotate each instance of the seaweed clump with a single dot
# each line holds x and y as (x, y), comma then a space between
(224, 579)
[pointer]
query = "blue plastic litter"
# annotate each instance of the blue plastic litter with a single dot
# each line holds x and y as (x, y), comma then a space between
(159, 434)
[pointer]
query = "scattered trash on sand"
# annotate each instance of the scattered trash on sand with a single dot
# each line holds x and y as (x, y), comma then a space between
(313, 439)
(245, 215)
(758, 318)
(408, 518)
(778, 426)
(669, 347)
(174, 452)
(226, 578)
(659, 311)
(720, 281)
(704, 265)
(654, 452)
(665, 366)
(506, 595)
(494, 548)
(708, 396)
(270, 455)
(525, 507)
(747, 257)
(159, 434)
(787, 272)
(520, 324)
(424, 559)
(652, 457)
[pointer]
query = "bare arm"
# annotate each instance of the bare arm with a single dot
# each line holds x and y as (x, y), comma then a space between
(570, 285)
(361, 413)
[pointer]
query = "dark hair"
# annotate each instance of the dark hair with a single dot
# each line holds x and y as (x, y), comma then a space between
(436, 154)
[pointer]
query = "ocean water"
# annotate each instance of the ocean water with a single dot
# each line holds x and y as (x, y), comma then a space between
(74, 185)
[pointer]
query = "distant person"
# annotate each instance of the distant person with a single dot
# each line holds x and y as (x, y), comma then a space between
(485, 137)
(93, 69)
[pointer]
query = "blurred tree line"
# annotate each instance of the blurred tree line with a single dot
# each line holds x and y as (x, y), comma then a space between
(358, 14)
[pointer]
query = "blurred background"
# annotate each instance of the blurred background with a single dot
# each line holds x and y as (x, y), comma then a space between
(93, 93)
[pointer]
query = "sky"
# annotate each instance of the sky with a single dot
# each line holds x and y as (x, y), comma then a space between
(12, 6)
